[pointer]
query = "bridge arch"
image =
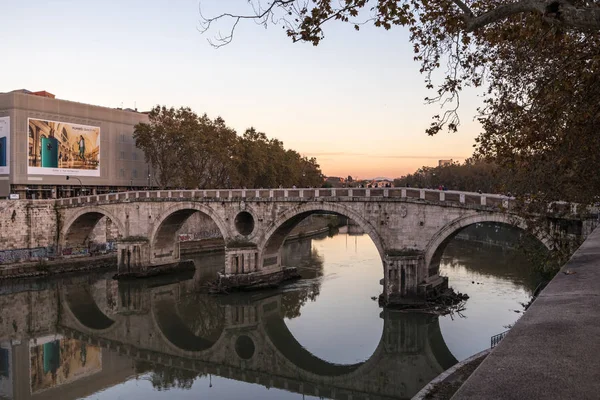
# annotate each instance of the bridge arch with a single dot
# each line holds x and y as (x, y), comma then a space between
(404, 337)
(77, 228)
(277, 232)
(436, 246)
(166, 226)
(175, 332)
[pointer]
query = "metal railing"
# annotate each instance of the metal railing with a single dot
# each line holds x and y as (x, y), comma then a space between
(494, 340)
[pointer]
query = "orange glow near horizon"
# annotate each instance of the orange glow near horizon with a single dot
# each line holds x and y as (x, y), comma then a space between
(368, 167)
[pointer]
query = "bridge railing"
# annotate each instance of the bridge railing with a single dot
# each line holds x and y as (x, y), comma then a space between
(494, 340)
(447, 196)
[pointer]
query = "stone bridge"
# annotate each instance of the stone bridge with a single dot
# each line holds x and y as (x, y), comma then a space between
(409, 227)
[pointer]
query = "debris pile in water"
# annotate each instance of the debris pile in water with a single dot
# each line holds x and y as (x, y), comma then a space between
(446, 302)
(440, 302)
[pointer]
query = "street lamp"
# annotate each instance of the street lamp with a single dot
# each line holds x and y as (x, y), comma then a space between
(80, 184)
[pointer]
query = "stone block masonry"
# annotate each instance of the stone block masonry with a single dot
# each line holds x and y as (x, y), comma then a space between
(28, 230)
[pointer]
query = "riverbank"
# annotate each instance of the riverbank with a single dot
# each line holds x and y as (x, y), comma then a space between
(448, 382)
(57, 267)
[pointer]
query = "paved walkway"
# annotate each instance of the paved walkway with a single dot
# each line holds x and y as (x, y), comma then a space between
(553, 351)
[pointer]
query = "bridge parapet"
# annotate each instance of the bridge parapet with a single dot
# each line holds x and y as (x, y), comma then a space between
(306, 194)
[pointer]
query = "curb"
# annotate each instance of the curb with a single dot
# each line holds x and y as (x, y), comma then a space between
(442, 377)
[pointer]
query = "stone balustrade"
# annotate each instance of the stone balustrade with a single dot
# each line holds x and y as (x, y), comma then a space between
(329, 194)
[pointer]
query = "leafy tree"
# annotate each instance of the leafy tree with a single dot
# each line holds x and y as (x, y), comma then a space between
(163, 140)
(536, 62)
(264, 162)
(199, 153)
(472, 175)
(206, 158)
(164, 377)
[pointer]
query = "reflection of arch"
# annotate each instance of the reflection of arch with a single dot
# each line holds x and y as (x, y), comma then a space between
(404, 334)
(82, 223)
(273, 239)
(288, 346)
(174, 330)
(435, 247)
(438, 347)
(85, 310)
(170, 221)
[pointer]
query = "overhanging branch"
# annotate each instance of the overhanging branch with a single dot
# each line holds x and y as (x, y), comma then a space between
(555, 11)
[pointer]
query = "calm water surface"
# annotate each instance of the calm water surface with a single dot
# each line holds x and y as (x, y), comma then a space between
(320, 337)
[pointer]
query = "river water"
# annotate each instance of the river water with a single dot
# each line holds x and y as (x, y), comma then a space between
(320, 337)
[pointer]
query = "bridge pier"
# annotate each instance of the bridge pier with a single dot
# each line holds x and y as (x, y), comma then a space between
(406, 281)
(243, 269)
(133, 257)
(241, 260)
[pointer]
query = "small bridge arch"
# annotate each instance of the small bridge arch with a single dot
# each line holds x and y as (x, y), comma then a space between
(163, 243)
(436, 246)
(77, 228)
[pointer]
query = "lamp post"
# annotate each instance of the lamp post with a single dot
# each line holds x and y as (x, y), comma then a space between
(80, 184)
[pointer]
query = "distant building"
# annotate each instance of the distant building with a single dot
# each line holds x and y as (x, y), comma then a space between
(334, 181)
(444, 163)
(381, 183)
(44, 139)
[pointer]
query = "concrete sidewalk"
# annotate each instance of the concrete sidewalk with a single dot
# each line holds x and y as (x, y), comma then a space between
(553, 351)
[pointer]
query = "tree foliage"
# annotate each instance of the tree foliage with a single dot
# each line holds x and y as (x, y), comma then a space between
(471, 176)
(164, 377)
(536, 63)
(196, 152)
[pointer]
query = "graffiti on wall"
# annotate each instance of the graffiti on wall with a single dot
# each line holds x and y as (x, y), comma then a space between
(92, 248)
(21, 255)
(209, 234)
(75, 251)
(41, 253)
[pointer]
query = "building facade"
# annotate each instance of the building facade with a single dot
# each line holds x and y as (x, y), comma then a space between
(44, 140)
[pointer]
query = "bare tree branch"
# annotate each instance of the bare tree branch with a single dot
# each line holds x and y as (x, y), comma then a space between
(259, 15)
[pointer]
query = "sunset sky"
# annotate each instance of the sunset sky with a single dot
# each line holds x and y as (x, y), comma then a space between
(355, 102)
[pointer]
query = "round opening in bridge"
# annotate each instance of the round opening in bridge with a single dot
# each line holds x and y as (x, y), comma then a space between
(244, 347)
(244, 223)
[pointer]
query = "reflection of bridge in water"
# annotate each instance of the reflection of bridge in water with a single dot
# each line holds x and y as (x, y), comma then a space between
(161, 325)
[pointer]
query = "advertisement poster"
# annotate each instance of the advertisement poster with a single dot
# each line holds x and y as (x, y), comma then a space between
(4, 145)
(63, 148)
(59, 361)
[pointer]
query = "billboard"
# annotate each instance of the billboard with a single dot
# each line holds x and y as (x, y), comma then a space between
(63, 148)
(58, 361)
(4, 145)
